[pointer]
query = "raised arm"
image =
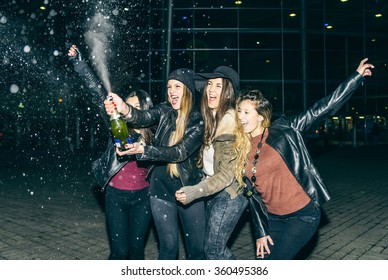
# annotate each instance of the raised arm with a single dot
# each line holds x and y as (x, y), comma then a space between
(330, 104)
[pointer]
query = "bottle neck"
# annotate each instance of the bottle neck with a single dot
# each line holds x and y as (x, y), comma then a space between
(115, 115)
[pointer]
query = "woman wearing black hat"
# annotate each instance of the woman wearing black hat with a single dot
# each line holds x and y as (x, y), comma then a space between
(218, 161)
(178, 137)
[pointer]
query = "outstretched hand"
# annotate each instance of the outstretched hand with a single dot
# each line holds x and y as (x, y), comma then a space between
(365, 68)
(74, 53)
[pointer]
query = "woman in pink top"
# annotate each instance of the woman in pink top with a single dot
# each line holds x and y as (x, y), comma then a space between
(123, 178)
(127, 204)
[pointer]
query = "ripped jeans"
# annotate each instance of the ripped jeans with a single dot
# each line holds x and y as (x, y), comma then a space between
(290, 233)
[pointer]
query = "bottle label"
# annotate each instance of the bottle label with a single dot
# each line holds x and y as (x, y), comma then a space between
(117, 143)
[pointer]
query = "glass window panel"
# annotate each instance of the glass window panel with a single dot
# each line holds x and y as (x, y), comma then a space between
(334, 42)
(181, 59)
(291, 18)
(158, 40)
(182, 19)
(293, 4)
(315, 91)
(216, 18)
(216, 4)
(260, 18)
(260, 65)
(216, 40)
(292, 41)
(259, 41)
(293, 99)
(216, 58)
(292, 65)
(315, 41)
(337, 65)
(314, 20)
(182, 40)
(315, 63)
(343, 21)
(158, 18)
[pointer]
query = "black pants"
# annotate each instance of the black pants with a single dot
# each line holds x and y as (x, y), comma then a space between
(127, 217)
(166, 216)
(290, 233)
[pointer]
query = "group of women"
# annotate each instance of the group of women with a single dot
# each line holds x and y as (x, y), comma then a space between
(199, 162)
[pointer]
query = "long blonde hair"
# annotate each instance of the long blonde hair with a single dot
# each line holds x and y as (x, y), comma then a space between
(243, 144)
(181, 122)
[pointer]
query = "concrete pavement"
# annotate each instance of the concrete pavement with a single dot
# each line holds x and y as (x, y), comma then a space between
(49, 211)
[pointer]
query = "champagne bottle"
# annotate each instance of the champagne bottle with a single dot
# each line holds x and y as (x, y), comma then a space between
(119, 129)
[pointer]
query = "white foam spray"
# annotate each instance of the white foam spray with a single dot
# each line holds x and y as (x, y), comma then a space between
(97, 38)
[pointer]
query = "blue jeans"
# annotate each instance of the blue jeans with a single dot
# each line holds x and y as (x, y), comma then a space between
(192, 217)
(290, 233)
(222, 215)
(127, 218)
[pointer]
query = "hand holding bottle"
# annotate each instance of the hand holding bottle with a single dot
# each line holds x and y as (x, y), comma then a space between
(131, 149)
(115, 104)
(119, 128)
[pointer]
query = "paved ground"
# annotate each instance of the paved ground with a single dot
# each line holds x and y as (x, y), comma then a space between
(49, 211)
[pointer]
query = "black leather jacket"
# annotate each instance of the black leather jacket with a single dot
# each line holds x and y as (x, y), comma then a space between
(285, 136)
(109, 163)
(184, 153)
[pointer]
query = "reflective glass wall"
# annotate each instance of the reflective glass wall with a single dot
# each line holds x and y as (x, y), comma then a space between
(295, 52)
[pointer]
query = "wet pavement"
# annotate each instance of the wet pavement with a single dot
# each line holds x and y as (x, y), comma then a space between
(50, 211)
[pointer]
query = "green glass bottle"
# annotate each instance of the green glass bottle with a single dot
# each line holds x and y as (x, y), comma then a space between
(119, 130)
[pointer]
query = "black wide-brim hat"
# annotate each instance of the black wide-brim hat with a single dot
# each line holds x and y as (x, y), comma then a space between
(222, 72)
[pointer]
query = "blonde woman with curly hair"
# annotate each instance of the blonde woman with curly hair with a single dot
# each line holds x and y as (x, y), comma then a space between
(274, 159)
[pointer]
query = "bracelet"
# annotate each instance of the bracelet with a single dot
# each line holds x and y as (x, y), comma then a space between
(127, 115)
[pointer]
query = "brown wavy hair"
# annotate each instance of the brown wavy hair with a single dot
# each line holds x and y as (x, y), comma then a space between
(227, 101)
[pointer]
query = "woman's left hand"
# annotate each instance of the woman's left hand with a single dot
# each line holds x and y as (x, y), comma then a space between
(132, 149)
(364, 68)
(180, 196)
(262, 247)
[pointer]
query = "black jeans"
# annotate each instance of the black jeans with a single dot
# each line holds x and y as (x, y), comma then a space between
(192, 217)
(290, 233)
(127, 217)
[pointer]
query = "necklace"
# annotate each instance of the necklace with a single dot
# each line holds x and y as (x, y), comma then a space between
(256, 158)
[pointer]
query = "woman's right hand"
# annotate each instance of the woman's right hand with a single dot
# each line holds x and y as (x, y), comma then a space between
(262, 247)
(115, 103)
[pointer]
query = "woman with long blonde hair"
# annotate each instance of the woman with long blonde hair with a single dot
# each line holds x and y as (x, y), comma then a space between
(173, 155)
